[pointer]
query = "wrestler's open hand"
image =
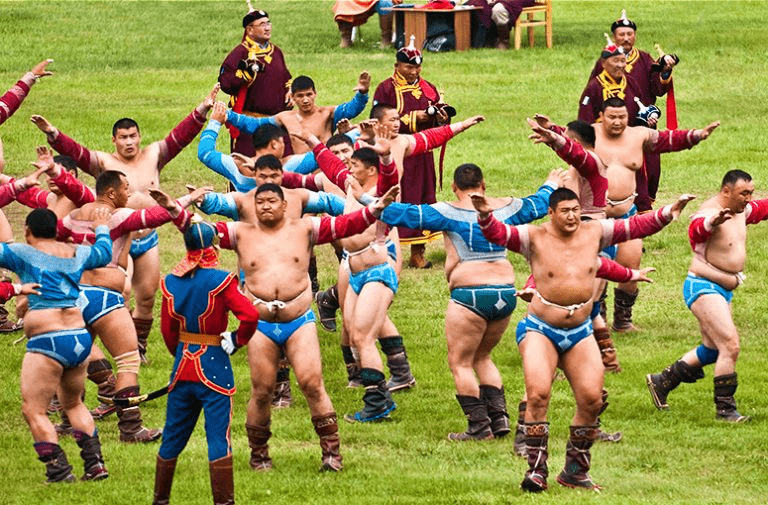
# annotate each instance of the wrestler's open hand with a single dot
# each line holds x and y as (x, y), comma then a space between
(526, 294)
(382, 145)
(471, 121)
(704, 133)
(305, 136)
(45, 159)
(721, 217)
(368, 130)
(387, 198)
(363, 82)
(32, 179)
(677, 207)
(245, 161)
(163, 199)
(196, 194)
(211, 98)
(542, 135)
(354, 187)
(39, 69)
(219, 112)
(100, 217)
(344, 125)
(43, 124)
(481, 204)
(642, 274)
(30, 288)
(543, 121)
(559, 176)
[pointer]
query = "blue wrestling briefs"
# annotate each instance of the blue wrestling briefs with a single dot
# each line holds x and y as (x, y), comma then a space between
(695, 286)
(141, 245)
(68, 347)
(489, 302)
(563, 338)
(391, 250)
(279, 333)
(101, 301)
(383, 273)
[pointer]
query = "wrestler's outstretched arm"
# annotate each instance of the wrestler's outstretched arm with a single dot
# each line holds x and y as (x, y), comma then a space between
(85, 159)
(431, 138)
(11, 100)
(354, 107)
(641, 225)
(186, 131)
(669, 141)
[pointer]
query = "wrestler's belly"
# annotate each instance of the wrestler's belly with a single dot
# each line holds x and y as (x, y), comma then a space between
(45, 320)
(375, 255)
(297, 301)
(558, 317)
(107, 277)
(480, 273)
(716, 274)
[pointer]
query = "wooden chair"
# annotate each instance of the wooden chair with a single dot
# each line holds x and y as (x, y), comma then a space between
(528, 19)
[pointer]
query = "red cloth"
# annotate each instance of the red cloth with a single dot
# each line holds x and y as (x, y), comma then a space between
(11, 100)
(593, 185)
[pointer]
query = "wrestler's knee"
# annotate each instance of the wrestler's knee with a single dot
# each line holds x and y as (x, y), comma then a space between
(261, 394)
(312, 388)
(128, 363)
(538, 398)
(590, 402)
(731, 347)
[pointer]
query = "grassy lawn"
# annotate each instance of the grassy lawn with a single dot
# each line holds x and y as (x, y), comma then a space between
(154, 61)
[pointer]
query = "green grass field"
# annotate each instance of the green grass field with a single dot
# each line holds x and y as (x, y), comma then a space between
(154, 61)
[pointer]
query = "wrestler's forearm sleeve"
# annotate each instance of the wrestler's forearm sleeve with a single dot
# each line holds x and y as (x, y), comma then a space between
(388, 177)
(575, 155)
(757, 210)
(226, 233)
(101, 250)
(8, 193)
(612, 271)
(699, 231)
(82, 156)
(292, 180)
(327, 229)
(500, 234)
(34, 198)
(431, 138)
(7, 291)
(534, 206)
(331, 165)
(248, 124)
(670, 141)
(220, 204)
(72, 188)
(350, 109)
(639, 226)
(151, 217)
(11, 100)
(180, 137)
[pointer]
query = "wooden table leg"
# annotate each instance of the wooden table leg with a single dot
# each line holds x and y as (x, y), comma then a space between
(462, 29)
(415, 22)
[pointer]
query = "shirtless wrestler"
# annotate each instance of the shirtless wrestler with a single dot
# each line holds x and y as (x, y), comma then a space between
(718, 234)
(368, 277)
(318, 120)
(105, 312)
(622, 147)
(58, 341)
(280, 288)
(481, 280)
(563, 254)
(142, 167)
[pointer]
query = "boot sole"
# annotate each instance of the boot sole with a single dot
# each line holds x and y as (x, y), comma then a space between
(399, 387)
(654, 397)
(533, 487)
(577, 485)
(382, 416)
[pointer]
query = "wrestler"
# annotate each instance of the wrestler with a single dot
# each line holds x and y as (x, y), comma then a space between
(717, 233)
(58, 341)
(11, 100)
(319, 120)
(481, 280)
(105, 312)
(99, 370)
(622, 148)
(563, 254)
(255, 75)
(280, 288)
(415, 101)
(196, 300)
(142, 167)
(370, 267)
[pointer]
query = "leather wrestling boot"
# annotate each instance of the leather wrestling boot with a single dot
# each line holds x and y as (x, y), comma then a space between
(725, 389)
(575, 473)
(607, 350)
(164, 470)
(129, 420)
(478, 422)
(519, 446)
(327, 428)
(397, 362)
(536, 440)
(90, 452)
(258, 438)
(496, 404)
(222, 481)
(377, 401)
(661, 384)
(57, 468)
